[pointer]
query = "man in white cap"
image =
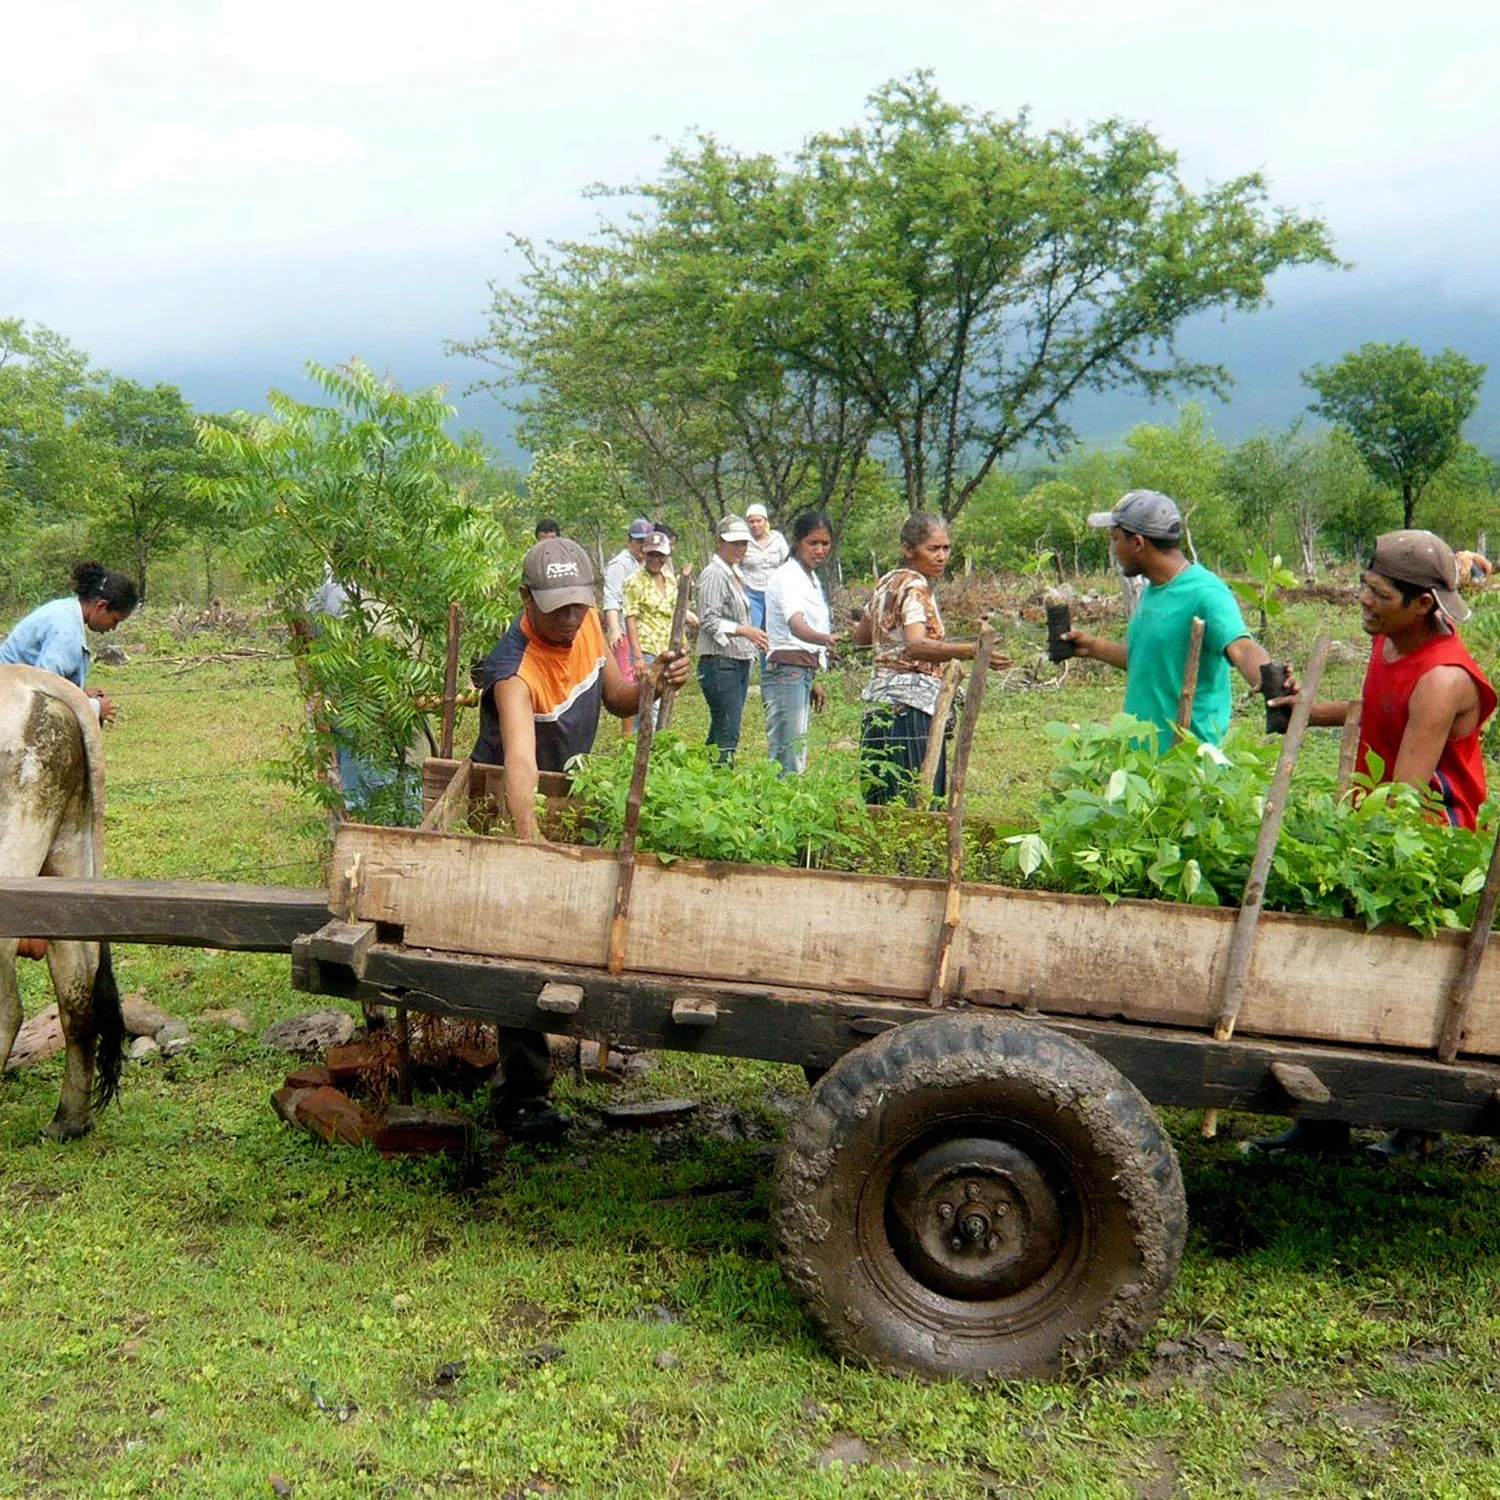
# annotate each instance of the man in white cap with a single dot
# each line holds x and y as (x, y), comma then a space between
(1146, 536)
(1425, 700)
(541, 688)
(617, 571)
(765, 553)
(728, 639)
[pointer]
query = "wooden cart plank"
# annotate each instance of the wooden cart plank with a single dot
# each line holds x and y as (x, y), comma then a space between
(1146, 961)
(248, 918)
(1171, 1067)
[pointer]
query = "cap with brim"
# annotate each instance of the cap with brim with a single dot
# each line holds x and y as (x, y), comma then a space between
(558, 572)
(640, 529)
(733, 529)
(1145, 512)
(1421, 560)
(659, 541)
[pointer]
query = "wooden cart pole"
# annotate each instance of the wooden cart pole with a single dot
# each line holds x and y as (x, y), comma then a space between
(1349, 746)
(972, 701)
(1462, 993)
(1242, 940)
(679, 634)
(645, 725)
(1190, 676)
(952, 676)
(450, 684)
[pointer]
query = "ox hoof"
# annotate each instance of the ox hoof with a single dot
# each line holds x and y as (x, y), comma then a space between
(67, 1130)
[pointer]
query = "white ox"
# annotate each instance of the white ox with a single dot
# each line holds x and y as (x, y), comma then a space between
(52, 823)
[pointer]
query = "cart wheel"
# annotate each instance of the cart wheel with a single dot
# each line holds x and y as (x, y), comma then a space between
(977, 1196)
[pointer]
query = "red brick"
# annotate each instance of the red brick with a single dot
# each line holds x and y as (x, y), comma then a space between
(349, 1063)
(284, 1102)
(408, 1130)
(333, 1116)
(314, 1076)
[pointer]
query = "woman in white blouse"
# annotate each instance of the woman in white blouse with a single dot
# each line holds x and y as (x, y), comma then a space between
(766, 552)
(800, 628)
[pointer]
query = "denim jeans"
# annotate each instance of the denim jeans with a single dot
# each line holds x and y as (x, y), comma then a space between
(786, 692)
(725, 681)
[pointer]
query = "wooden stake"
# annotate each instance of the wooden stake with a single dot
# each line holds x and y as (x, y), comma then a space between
(1349, 746)
(450, 684)
(1190, 676)
(951, 907)
(679, 632)
(952, 676)
(1242, 940)
(1462, 993)
(645, 729)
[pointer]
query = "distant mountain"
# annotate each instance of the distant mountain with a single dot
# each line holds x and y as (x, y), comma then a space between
(1317, 319)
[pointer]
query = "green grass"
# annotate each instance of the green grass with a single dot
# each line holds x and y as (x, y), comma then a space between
(195, 1298)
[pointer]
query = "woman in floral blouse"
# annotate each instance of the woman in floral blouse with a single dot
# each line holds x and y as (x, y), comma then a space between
(902, 623)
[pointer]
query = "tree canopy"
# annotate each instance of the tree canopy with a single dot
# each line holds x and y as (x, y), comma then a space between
(1403, 411)
(933, 285)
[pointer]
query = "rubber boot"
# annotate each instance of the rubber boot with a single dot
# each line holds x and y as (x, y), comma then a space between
(1307, 1137)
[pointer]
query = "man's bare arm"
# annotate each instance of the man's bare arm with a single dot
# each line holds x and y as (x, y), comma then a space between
(1247, 656)
(518, 738)
(1440, 703)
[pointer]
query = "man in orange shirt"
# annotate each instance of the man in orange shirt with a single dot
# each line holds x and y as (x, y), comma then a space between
(541, 688)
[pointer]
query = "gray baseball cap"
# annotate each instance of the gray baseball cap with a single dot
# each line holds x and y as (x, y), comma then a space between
(732, 528)
(558, 572)
(1424, 561)
(1145, 512)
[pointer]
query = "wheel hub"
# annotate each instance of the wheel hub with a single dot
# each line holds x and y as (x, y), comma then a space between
(974, 1218)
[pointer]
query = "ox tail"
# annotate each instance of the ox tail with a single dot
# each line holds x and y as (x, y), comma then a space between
(109, 1030)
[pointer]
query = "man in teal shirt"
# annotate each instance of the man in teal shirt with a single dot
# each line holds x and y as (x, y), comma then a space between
(1145, 536)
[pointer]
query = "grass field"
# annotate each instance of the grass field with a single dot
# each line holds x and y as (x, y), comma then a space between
(196, 1301)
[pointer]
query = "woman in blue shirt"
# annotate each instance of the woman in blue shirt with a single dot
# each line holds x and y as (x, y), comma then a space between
(54, 637)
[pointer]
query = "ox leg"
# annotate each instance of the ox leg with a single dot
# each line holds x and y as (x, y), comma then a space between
(73, 966)
(10, 1000)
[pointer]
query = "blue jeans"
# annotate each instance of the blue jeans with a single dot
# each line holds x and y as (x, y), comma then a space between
(786, 692)
(725, 681)
(757, 598)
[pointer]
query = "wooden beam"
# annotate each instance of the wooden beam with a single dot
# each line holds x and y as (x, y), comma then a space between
(1300, 1083)
(194, 914)
(676, 638)
(1190, 675)
(1369, 1087)
(1349, 746)
(450, 683)
(453, 806)
(1456, 1014)
(560, 999)
(953, 901)
(952, 676)
(1243, 940)
(346, 943)
(694, 1010)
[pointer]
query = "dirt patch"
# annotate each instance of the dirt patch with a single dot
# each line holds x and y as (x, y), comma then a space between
(1273, 1469)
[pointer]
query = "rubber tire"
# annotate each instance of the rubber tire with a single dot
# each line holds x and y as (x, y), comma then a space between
(1003, 1079)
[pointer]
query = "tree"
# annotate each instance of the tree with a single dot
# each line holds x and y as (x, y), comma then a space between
(363, 491)
(636, 344)
(1186, 461)
(963, 277)
(1404, 412)
(145, 502)
(934, 281)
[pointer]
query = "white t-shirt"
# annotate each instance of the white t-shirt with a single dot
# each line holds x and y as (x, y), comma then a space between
(794, 591)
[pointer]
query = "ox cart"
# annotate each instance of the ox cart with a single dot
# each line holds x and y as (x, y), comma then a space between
(979, 1185)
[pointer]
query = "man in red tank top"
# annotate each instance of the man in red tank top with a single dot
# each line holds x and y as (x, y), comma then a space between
(1425, 699)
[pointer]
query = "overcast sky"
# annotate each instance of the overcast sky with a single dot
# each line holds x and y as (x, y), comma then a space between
(193, 190)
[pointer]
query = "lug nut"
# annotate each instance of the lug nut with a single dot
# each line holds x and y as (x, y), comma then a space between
(945, 1211)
